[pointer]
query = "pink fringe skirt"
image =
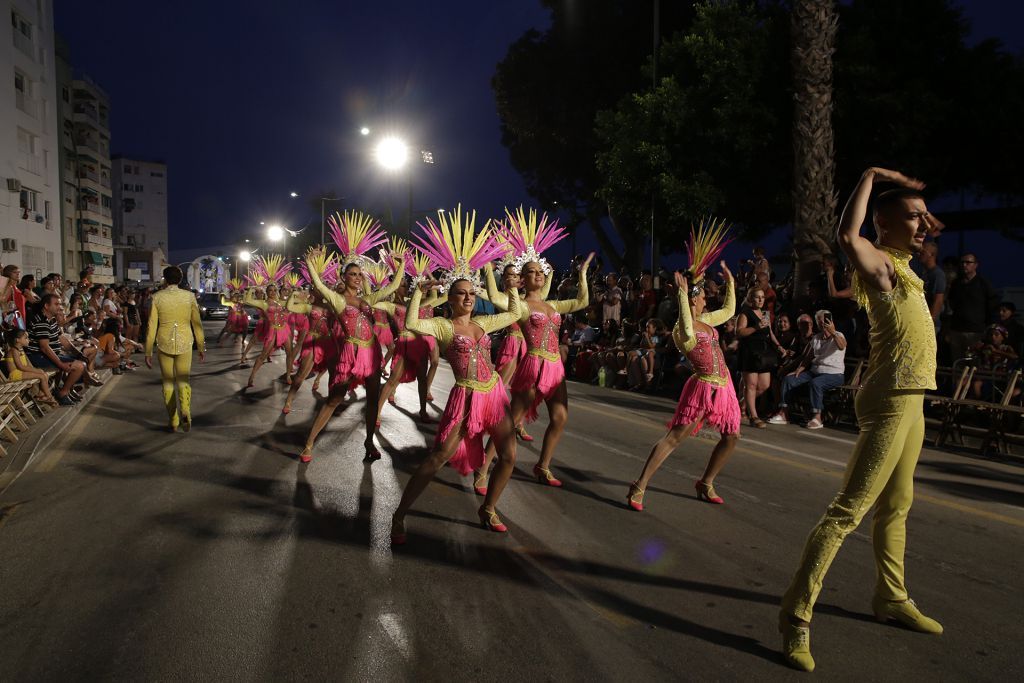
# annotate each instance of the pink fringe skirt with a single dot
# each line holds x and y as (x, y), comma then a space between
(238, 323)
(700, 401)
(260, 333)
(324, 351)
(414, 352)
(384, 334)
(482, 411)
(534, 372)
(277, 337)
(512, 349)
(299, 322)
(356, 363)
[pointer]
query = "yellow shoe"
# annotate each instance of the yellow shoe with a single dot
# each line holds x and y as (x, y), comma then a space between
(796, 644)
(905, 613)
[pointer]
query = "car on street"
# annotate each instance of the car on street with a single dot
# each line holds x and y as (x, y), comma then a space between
(210, 307)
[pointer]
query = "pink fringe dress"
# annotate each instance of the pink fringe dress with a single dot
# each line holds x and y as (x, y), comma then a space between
(513, 348)
(541, 367)
(277, 330)
(238, 319)
(382, 328)
(359, 355)
(319, 342)
(413, 349)
(478, 397)
(708, 394)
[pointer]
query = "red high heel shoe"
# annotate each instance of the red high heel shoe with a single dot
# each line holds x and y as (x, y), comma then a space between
(480, 483)
(287, 409)
(430, 397)
(544, 476)
(706, 492)
(306, 456)
(392, 401)
(489, 520)
(398, 535)
(635, 497)
(522, 434)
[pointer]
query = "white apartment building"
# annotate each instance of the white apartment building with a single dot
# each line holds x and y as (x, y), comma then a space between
(140, 221)
(29, 141)
(91, 176)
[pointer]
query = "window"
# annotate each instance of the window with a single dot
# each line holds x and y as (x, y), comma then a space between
(138, 188)
(65, 94)
(28, 200)
(127, 170)
(156, 174)
(46, 211)
(127, 186)
(19, 82)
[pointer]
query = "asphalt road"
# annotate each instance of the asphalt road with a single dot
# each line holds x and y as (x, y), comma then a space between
(130, 553)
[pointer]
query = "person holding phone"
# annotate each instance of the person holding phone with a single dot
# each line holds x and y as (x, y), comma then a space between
(759, 352)
(822, 366)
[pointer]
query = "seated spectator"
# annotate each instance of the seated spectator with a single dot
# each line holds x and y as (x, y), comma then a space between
(108, 356)
(994, 356)
(28, 287)
(668, 306)
(1014, 330)
(822, 366)
(45, 350)
(19, 367)
(583, 334)
(641, 360)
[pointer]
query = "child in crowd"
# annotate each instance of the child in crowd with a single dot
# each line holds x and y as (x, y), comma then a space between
(994, 356)
(19, 367)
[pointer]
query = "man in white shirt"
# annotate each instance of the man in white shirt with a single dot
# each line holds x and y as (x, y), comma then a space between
(611, 300)
(822, 367)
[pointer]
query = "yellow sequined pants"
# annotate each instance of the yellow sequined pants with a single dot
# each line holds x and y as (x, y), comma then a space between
(880, 471)
(174, 371)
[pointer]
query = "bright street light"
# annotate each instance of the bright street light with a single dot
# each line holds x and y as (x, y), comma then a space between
(392, 153)
(244, 255)
(364, 131)
(293, 195)
(275, 233)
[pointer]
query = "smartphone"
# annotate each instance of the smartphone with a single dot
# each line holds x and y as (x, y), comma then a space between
(827, 318)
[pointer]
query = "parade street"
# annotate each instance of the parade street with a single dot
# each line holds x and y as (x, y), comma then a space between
(134, 554)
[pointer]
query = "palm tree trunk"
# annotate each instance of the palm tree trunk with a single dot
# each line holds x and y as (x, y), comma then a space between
(813, 26)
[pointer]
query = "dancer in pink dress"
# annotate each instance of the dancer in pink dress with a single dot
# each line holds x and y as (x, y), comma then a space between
(319, 348)
(478, 403)
(237, 323)
(412, 351)
(359, 357)
(540, 375)
(278, 334)
(708, 394)
(297, 322)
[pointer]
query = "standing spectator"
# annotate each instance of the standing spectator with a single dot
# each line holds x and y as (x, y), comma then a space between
(611, 299)
(972, 302)
(646, 299)
(111, 304)
(133, 321)
(668, 307)
(934, 282)
(770, 296)
(758, 352)
(96, 301)
(822, 365)
(14, 316)
(1007, 318)
(45, 351)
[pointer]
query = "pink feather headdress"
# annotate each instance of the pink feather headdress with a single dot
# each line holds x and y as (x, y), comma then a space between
(379, 274)
(355, 233)
(706, 243)
(271, 267)
(530, 237)
(326, 267)
(455, 246)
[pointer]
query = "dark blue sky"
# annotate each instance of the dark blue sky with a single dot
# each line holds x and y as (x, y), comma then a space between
(248, 100)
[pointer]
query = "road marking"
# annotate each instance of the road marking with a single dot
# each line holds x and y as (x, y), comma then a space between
(934, 500)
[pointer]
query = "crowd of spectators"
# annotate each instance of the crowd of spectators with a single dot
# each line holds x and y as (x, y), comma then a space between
(778, 341)
(68, 330)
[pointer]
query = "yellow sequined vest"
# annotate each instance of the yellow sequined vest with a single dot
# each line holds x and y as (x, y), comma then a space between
(902, 332)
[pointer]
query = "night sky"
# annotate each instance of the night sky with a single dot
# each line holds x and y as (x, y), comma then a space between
(249, 100)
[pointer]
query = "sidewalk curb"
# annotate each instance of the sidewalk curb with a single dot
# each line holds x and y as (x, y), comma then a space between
(45, 431)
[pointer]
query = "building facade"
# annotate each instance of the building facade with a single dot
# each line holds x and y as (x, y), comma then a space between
(30, 230)
(94, 209)
(140, 218)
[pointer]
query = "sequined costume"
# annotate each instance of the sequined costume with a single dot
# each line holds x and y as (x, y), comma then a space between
(238, 318)
(382, 327)
(513, 346)
(274, 317)
(174, 325)
(708, 394)
(890, 412)
(413, 349)
(359, 354)
(541, 368)
(478, 401)
(318, 340)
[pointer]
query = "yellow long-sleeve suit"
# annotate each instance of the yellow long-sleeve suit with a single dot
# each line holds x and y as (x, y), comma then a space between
(174, 324)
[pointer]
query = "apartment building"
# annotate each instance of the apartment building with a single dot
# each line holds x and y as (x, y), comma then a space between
(140, 218)
(30, 230)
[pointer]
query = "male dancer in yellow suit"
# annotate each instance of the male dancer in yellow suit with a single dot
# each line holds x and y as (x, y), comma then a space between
(890, 411)
(173, 321)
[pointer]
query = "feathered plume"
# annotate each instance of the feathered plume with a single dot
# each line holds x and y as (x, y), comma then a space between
(355, 234)
(256, 278)
(396, 247)
(530, 237)
(293, 279)
(379, 274)
(272, 266)
(706, 243)
(419, 266)
(235, 284)
(325, 264)
(454, 244)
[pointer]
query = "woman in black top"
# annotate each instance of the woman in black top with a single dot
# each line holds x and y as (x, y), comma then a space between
(759, 352)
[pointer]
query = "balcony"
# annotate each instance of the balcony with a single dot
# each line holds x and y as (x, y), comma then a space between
(31, 163)
(24, 43)
(105, 212)
(25, 103)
